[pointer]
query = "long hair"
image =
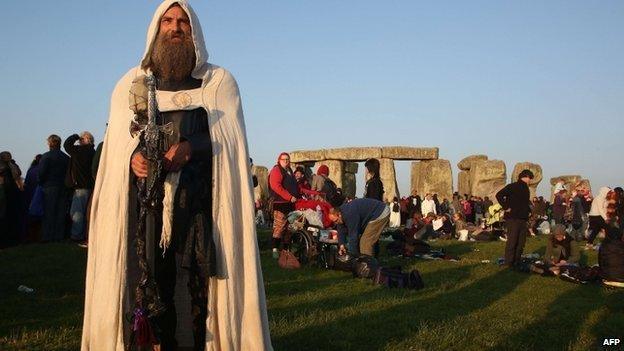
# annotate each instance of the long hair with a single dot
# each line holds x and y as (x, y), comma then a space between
(36, 160)
(372, 165)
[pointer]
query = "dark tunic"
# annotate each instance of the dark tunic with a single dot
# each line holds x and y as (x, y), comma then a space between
(191, 239)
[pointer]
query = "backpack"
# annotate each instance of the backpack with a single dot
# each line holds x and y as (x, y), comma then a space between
(580, 275)
(287, 260)
(394, 277)
(333, 194)
(329, 189)
(365, 267)
(415, 246)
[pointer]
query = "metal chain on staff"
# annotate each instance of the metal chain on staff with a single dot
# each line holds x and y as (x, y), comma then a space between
(150, 195)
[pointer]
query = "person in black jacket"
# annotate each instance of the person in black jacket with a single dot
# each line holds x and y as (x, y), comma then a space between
(516, 201)
(80, 178)
(52, 171)
(611, 256)
(374, 188)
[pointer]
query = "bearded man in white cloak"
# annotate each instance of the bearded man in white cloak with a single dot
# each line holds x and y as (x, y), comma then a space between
(206, 266)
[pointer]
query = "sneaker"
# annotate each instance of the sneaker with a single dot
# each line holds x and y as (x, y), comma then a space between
(83, 244)
(275, 253)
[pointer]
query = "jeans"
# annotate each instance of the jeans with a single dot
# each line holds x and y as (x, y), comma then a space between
(54, 211)
(78, 213)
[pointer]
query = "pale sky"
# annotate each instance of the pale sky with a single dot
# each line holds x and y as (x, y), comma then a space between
(539, 81)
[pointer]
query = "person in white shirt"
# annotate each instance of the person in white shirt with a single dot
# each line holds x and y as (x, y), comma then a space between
(428, 205)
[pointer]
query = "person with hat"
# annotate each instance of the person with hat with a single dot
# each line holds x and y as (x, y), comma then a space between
(516, 202)
(561, 250)
(318, 179)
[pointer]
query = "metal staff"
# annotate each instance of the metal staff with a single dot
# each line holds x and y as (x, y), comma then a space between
(151, 192)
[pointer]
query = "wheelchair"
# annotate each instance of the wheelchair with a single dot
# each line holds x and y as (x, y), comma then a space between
(311, 245)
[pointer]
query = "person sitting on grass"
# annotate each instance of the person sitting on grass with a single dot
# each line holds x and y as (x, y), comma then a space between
(561, 250)
(361, 221)
(463, 230)
(443, 227)
(427, 232)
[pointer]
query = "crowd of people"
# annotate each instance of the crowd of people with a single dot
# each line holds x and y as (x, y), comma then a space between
(573, 217)
(50, 202)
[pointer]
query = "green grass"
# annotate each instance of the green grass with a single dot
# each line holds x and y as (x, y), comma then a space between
(465, 305)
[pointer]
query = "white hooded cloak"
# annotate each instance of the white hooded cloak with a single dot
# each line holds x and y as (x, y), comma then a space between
(599, 204)
(237, 317)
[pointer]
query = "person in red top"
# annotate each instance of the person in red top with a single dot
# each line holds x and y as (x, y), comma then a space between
(284, 191)
(305, 189)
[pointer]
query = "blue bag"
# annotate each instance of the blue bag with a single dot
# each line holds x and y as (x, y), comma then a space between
(36, 204)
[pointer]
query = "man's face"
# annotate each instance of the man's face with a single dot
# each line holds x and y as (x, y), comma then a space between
(176, 24)
(336, 218)
(298, 175)
(173, 53)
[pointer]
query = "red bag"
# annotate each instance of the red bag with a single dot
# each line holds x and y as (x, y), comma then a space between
(287, 260)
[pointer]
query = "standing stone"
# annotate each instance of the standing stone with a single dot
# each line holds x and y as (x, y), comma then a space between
(349, 185)
(537, 173)
(436, 178)
(415, 178)
(471, 173)
(463, 183)
(261, 192)
(351, 167)
(348, 179)
(466, 163)
(388, 177)
(487, 178)
(569, 181)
